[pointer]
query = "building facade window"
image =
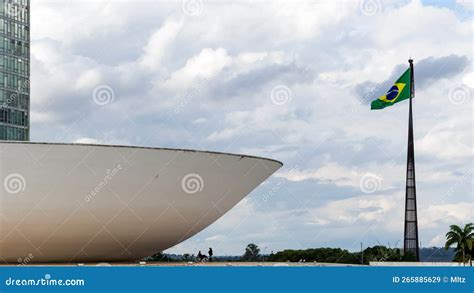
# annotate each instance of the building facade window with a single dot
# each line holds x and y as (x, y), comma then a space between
(14, 70)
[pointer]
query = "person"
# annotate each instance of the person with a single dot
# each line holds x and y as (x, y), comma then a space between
(210, 254)
(200, 256)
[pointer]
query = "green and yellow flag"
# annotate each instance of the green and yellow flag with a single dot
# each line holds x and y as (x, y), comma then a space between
(398, 92)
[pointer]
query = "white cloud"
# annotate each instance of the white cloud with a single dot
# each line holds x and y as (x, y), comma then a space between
(159, 43)
(42, 117)
(468, 4)
(437, 241)
(447, 140)
(206, 65)
(330, 172)
(335, 174)
(468, 80)
(88, 78)
(87, 140)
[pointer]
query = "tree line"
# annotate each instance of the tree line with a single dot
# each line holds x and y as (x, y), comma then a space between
(462, 238)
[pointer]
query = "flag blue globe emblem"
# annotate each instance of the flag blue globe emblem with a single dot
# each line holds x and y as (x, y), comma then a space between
(392, 93)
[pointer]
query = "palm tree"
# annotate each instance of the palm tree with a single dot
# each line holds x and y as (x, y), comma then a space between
(470, 245)
(462, 238)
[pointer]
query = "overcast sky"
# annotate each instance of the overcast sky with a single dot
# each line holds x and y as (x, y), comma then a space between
(288, 81)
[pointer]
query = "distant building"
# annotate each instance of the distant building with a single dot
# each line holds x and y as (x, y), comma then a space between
(14, 70)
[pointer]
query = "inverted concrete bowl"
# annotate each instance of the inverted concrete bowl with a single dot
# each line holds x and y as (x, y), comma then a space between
(77, 202)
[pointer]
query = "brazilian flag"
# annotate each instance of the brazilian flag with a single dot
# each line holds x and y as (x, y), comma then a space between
(398, 92)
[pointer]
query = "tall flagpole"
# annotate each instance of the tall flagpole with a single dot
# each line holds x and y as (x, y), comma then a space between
(411, 221)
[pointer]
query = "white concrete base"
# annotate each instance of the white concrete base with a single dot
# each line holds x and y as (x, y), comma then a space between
(415, 264)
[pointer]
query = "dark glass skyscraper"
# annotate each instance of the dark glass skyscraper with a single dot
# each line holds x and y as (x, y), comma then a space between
(14, 69)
